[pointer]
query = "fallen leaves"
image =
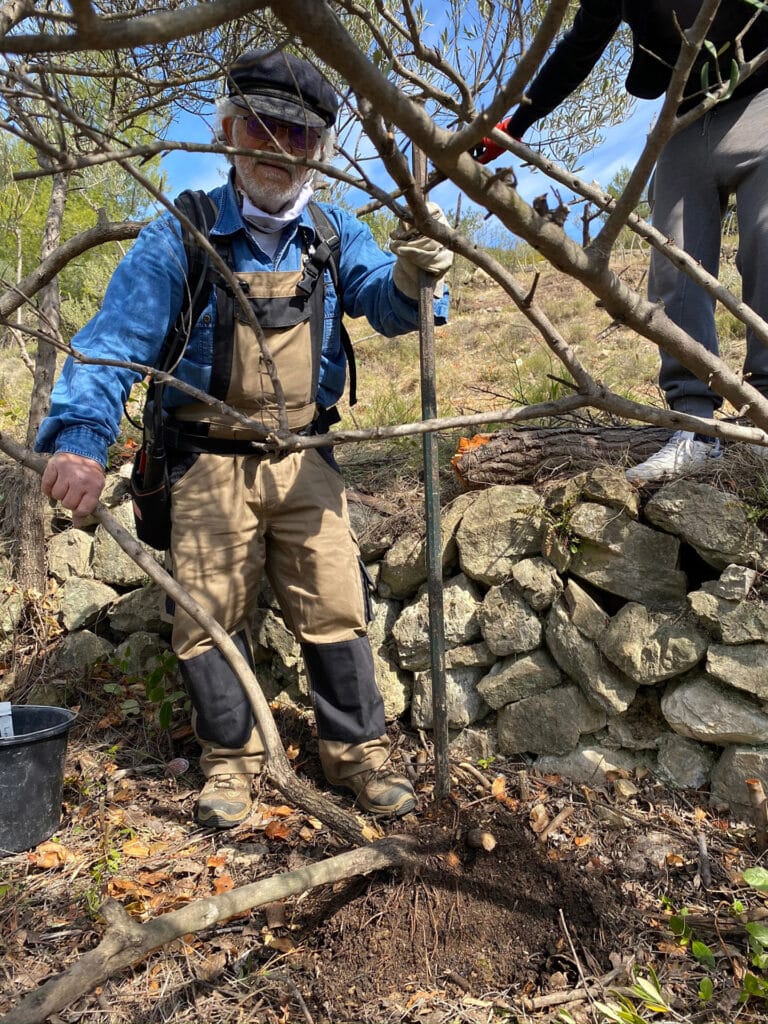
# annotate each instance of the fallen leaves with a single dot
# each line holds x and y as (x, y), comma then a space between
(50, 856)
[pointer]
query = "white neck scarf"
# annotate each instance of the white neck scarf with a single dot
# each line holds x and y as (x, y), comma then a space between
(270, 223)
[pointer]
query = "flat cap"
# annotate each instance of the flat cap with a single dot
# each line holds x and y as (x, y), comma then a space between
(281, 85)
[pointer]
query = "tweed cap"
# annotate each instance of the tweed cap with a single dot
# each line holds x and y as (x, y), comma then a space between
(281, 85)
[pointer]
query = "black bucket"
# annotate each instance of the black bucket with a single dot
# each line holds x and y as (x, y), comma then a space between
(31, 775)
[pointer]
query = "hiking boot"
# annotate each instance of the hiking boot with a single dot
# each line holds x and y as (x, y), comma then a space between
(382, 793)
(682, 454)
(224, 801)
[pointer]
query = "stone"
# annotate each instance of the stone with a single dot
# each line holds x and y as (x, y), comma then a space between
(626, 558)
(475, 743)
(712, 521)
(608, 485)
(507, 623)
(735, 582)
(503, 525)
(109, 563)
(736, 764)
(277, 645)
(464, 704)
(590, 764)
(745, 667)
(69, 554)
(709, 610)
(548, 723)
(581, 660)
(84, 602)
(518, 677)
(404, 566)
(537, 581)
(585, 613)
(701, 708)
(641, 725)
(683, 762)
(746, 623)
(11, 610)
(143, 608)
(79, 652)
(470, 655)
(139, 654)
(411, 632)
(394, 684)
(652, 646)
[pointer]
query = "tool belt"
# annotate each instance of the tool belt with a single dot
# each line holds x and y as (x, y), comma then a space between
(193, 437)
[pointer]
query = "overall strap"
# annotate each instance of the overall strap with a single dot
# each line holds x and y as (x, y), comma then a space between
(329, 237)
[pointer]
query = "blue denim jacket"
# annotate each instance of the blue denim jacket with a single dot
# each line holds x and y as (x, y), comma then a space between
(144, 297)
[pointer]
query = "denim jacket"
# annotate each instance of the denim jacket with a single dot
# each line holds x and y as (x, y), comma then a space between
(145, 295)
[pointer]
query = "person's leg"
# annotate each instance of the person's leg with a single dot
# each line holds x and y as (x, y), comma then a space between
(217, 553)
(744, 155)
(313, 565)
(688, 206)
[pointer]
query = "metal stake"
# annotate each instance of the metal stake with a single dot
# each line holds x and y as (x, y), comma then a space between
(432, 515)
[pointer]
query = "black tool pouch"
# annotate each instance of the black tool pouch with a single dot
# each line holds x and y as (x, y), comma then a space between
(150, 485)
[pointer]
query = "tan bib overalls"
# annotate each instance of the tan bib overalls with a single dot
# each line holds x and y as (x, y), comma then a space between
(236, 516)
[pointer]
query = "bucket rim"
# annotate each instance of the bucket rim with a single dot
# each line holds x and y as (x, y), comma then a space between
(67, 718)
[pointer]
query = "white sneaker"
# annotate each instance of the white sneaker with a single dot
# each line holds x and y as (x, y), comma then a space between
(682, 454)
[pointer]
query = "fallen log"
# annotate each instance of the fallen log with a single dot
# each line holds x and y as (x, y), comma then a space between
(536, 454)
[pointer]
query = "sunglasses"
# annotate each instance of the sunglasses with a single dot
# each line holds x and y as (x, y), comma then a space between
(267, 129)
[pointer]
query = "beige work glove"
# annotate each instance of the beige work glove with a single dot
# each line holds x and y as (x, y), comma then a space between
(417, 252)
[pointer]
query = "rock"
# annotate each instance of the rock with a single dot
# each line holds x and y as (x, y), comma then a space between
(652, 646)
(464, 703)
(69, 554)
(581, 660)
(461, 608)
(537, 581)
(548, 723)
(709, 609)
(140, 609)
(470, 656)
(590, 764)
(277, 645)
(711, 521)
(79, 652)
(503, 525)
(519, 677)
(110, 564)
(474, 743)
(609, 486)
(735, 582)
(404, 566)
(745, 667)
(585, 613)
(736, 764)
(140, 653)
(626, 558)
(641, 726)
(683, 762)
(507, 623)
(11, 610)
(703, 709)
(84, 602)
(394, 685)
(746, 623)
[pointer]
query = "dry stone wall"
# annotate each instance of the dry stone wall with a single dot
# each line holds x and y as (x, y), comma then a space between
(582, 633)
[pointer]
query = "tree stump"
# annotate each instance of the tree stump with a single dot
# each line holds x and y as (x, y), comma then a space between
(536, 454)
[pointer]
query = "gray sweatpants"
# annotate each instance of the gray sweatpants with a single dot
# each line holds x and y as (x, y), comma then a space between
(725, 153)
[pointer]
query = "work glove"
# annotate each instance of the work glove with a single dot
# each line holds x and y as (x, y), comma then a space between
(417, 252)
(487, 150)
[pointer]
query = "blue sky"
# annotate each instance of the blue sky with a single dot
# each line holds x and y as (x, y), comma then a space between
(623, 144)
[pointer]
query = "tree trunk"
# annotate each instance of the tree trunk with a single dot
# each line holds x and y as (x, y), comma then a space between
(30, 534)
(535, 454)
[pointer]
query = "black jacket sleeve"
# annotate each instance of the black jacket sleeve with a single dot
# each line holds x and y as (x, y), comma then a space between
(573, 58)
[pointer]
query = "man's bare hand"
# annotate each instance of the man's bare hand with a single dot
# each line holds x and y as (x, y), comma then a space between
(75, 481)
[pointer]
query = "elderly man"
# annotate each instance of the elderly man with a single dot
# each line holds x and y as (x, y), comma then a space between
(237, 513)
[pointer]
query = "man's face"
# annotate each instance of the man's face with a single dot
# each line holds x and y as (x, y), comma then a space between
(270, 186)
